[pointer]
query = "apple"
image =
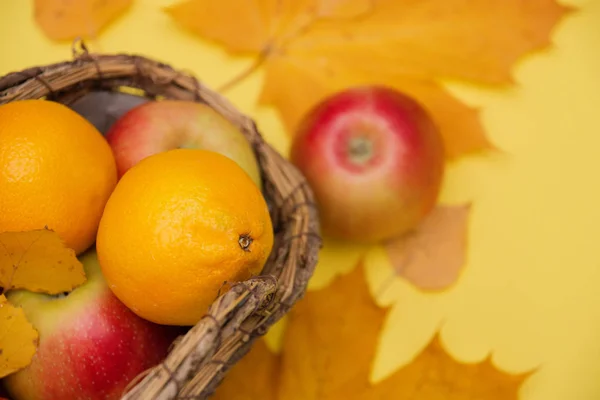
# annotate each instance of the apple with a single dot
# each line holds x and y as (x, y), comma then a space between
(90, 345)
(374, 159)
(158, 126)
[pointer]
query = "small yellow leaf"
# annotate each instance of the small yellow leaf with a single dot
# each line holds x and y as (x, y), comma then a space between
(433, 255)
(18, 338)
(39, 262)
(68, 19)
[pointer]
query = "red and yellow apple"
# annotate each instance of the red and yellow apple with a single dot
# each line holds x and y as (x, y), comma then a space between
(90, 345)
(159, 126)
(374, 159)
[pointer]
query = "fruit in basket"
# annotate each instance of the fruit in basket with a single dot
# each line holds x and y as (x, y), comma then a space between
(103, 108)
(56, 170)
(90, 345)
(374, 159)
(180, 224)
(158, 126)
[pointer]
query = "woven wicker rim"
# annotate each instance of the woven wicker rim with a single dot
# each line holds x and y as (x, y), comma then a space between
(199, 360)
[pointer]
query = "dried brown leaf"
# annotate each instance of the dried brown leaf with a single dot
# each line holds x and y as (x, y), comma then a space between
(433, 255)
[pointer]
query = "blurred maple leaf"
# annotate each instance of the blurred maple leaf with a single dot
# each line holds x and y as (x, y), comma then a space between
(313, 48)
(433, 255)
(18, 338)
(68, 19)
(328, 348)
(38, 261)
(254, 377)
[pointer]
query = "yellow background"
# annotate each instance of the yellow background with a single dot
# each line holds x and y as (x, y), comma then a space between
(530, 291)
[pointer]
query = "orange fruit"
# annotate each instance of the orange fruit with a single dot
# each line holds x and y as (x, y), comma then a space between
(180, 224)
(56, 170)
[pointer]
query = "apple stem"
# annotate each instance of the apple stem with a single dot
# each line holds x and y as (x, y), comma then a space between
(360, 150)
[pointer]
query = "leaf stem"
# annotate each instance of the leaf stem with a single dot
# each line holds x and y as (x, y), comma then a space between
(252, 68)
(302, 28)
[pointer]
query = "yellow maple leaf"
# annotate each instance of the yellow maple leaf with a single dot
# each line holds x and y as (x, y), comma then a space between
(68, 19)
(38, 261)
(313, 48)
(18, 338)
(329, 346)
(432, 256)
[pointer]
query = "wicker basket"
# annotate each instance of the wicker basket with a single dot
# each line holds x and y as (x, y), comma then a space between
(199, 360)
